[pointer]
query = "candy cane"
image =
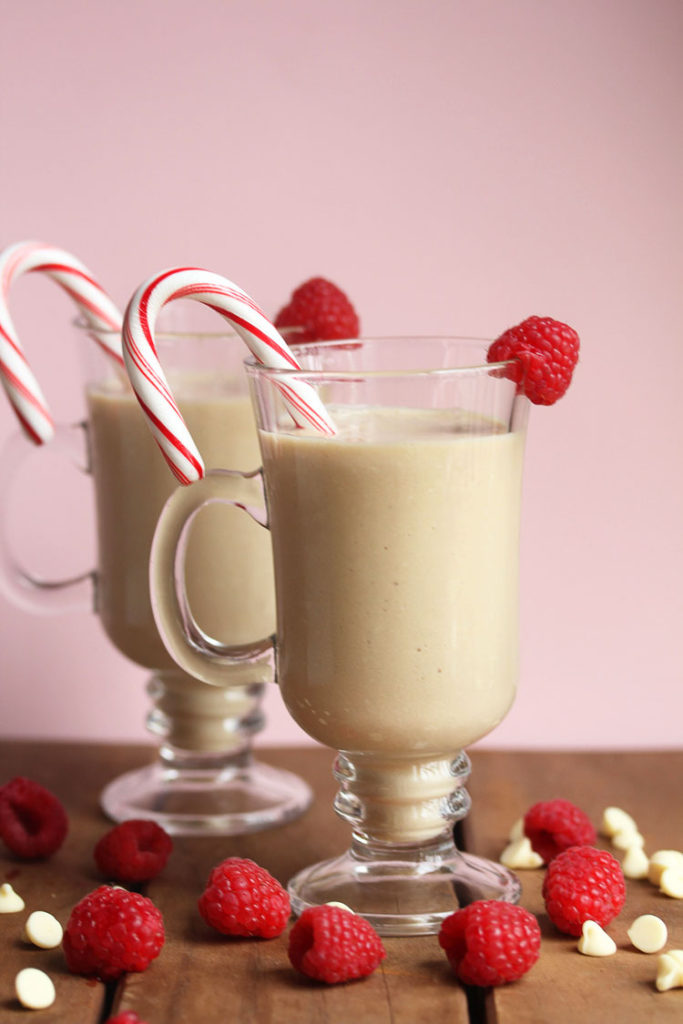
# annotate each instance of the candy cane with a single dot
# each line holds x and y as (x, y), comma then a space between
(149, 381)
(97, 308)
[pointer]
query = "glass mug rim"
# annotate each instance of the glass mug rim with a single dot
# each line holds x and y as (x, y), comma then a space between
(169, 336)
(254, 367)
(476, 366)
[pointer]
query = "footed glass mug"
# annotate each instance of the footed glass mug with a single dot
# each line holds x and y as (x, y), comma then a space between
(395, 545)
(205, 779)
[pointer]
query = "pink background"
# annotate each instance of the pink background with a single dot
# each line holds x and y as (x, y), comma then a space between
(455, 166)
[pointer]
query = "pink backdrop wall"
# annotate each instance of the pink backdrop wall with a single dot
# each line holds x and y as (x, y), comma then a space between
(455, 166)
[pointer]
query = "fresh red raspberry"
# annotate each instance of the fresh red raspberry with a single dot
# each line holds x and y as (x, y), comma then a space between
(242, 898)
(322, 310)
(583, 884)
(332, 945)
(33, 823)
(127, 1017)
(134, 851)
(490, 942)
(112, 931)
(546, 352)
(555, 825)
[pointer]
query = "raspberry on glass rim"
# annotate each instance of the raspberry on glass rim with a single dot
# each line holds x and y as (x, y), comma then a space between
(320, 311)
(545, 352)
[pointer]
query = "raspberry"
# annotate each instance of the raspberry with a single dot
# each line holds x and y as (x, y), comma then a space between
(242, 898)
(33, 823)
(546, 352)
(333, 945)
(322, 310)
(112, 931)
(490, 942)
(583, 884)
(134, 851)
(127, 1017)
(555, 825)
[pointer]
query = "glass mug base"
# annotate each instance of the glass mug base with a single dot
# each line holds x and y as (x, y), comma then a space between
(404, 890)
(205, 780)
(230, 798)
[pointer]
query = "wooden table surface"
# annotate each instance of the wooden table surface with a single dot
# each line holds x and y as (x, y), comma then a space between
(203, 978)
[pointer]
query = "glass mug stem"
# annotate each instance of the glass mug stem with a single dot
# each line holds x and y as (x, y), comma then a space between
(196, 721)
(394, 801)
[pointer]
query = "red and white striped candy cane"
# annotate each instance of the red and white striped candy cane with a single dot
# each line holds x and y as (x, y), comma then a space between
(97, 308)
(149, 381)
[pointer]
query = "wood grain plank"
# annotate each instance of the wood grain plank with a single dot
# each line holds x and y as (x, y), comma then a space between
(201, 975)
(564, 986)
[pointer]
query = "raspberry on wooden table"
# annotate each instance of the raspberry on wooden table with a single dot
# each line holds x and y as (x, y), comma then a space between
(546, 352)
(490, 942)
(333, 945)
(242, 898)
(112, 931)
(134, 851)
(554, 825)
(127, 1017)
(33, 822)
(322, 311)
(583, 884)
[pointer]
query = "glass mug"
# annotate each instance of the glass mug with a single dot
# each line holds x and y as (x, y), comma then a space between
(205, 779)
(395, 547)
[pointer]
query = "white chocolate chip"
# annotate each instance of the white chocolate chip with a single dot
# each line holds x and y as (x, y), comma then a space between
(648, 933)
(594, 941)
(635, 863)
(34, 989)
(342, 906)
(44, 930)
(519, 854)
(625, 840)
(10, 901)
(671, 883)
(669, 970)
(662, 859)
(517, 830)
(615, 820)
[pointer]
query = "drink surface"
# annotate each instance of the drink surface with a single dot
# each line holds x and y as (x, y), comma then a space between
(396, 569)
(229, 574)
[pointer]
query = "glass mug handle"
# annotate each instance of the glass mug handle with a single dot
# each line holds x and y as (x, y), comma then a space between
(191, 648)
(29, 592)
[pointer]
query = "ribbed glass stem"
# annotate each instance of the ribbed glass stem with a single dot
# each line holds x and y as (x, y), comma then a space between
(195, 718)
(400, 801)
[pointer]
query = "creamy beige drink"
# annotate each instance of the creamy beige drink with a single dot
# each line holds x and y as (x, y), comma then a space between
(229, 565)
(396, 567)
